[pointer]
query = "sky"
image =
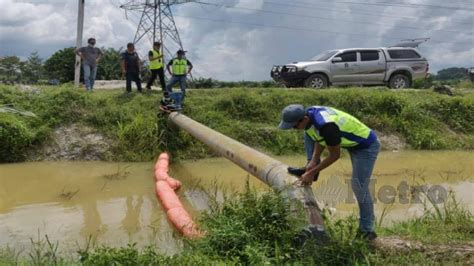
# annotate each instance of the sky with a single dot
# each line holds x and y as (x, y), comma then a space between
(242, 39)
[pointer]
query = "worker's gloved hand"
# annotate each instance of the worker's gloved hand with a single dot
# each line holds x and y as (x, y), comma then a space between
(300, 171)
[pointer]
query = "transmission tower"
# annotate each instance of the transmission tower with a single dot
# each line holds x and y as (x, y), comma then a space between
(157, 23)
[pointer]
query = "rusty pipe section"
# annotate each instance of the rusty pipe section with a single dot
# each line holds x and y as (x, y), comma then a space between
(270, 171)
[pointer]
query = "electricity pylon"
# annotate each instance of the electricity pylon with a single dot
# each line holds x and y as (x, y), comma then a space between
(157, 23)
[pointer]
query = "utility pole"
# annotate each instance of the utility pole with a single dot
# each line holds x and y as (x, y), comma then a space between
(80, 27)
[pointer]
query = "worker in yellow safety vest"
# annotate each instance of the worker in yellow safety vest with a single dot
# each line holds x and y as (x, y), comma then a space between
(327, 127)
(178, 68)
(156, 66)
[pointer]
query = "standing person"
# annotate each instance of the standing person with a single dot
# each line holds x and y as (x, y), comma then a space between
(327, 127)
(156, 66)
(178, 68)
(131, 67)
(90, 56)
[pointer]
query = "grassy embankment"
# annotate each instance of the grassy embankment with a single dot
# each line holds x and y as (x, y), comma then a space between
(252, 228)
(424, 119)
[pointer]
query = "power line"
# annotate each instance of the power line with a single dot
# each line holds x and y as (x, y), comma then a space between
(402, 5)
(299, 29)
(355, 11)
(416, 5)
(325, 18)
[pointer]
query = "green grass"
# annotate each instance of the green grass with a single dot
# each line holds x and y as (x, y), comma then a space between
(257, 228)
(445, 224)
(424, 119)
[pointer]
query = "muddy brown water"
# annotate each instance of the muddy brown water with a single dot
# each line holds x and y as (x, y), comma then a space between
(115, 203)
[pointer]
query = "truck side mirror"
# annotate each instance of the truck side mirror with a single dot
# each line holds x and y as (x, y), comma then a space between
(336, 60)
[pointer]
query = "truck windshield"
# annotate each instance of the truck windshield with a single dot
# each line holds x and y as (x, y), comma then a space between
(324, 56)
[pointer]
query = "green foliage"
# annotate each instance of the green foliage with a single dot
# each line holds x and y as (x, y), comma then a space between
(423, 83)
(61, 65)
(32, 69)
(10, 68)
(109, 65)
(456, 112)
(426, 120)
(248, 228)
(139, 137)
(442, 224)
(15, 138)
(420, 128)
(244, 105)
(209, 83)
(453, 73)
(130, 255)
(344, 248)
(61, 106)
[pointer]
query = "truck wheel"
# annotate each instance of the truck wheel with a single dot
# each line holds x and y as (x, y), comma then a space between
(399, 81)
(316, 81)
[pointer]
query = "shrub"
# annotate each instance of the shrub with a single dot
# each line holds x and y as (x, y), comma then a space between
(15, 138)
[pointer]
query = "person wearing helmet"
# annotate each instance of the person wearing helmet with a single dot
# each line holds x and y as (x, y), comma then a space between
(327, 127)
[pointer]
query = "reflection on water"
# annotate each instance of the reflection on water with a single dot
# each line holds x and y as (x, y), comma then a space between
(71, 201)
(400, 182)
(115, 203)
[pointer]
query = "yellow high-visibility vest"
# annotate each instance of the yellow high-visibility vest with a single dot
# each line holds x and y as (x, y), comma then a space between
(179, 66)
(353, 132)
(157, 63)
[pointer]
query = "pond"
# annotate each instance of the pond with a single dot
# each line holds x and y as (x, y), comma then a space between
(115, 203)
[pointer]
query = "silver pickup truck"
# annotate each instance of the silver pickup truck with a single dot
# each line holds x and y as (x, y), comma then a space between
(396, 67)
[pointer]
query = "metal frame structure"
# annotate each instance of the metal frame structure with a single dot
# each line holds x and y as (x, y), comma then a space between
(157, 23)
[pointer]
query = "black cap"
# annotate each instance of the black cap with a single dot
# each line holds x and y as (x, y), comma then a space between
(180, 51)
(290, 116)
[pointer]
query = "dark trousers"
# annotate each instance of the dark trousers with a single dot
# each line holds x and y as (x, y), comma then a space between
(133, 76)
(161, 74)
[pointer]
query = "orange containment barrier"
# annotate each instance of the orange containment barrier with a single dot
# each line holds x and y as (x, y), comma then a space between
(161, 172)
(165, 187)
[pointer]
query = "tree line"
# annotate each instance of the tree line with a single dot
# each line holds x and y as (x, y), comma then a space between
(59, 68)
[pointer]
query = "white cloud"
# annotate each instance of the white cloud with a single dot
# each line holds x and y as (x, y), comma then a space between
(19, 13)
(246, 6)
(241, 49)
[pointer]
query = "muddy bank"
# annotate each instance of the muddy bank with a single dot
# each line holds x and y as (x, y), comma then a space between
(392, 142)
(395, 245)
(73, 142)
(84, 143)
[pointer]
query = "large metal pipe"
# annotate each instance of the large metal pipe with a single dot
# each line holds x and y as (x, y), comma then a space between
(270, 171)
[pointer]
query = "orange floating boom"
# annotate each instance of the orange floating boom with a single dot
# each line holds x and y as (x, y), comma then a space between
(161, 172)
(165, 191)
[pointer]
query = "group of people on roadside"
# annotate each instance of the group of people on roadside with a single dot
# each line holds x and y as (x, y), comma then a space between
(131, 67)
